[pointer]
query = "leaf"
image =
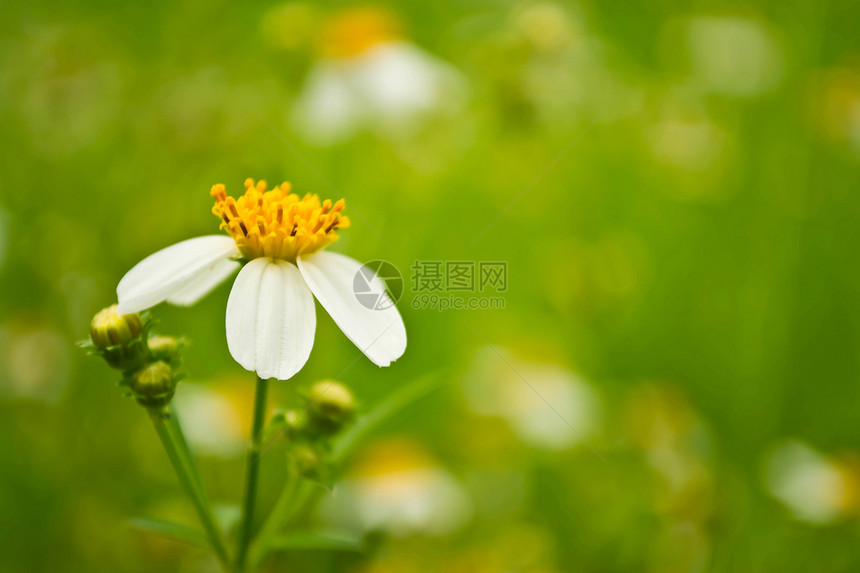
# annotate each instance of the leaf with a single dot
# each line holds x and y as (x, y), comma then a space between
(390, 406)
(322, 540)
(171, 530)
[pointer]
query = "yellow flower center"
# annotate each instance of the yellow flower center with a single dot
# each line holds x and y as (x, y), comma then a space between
(277, 223)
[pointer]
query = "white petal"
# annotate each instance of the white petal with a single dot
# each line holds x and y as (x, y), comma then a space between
(205, 283)
(167, 272)
(270, 319)
(379, 334)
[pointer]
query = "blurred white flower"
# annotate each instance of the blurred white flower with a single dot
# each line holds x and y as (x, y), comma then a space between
(734, 55)
(34, 361)
(493, 388)
(391, 88)
(695, 152)
(213, 420)
(813, 487)
(370, 79)
(398, 488)
(662, 422)
(687, 141)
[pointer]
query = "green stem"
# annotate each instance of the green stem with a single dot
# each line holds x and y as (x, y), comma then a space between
(282, 511)
(188, 484)
(252, 472)
(308, 494)
(185, 450)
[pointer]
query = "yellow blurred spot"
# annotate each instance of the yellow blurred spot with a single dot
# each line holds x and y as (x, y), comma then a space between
(355, 30)
(545, 26)
(390, 456)
(837, 106)
(687, 141)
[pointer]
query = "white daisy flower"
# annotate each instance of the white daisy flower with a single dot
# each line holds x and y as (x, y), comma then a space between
(270, 312)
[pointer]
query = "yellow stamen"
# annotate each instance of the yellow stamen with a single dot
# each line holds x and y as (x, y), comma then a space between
(277, 223)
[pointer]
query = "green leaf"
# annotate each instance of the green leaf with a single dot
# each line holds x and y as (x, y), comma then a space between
(383, 411)
(171, 530)
(322, 540)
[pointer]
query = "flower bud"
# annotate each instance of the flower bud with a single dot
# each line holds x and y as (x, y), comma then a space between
(111, 329)
(118, 339)
(165, 348)
(296, 422)
(290, 423)
(331, 405)
(153, 385)
(308, 462)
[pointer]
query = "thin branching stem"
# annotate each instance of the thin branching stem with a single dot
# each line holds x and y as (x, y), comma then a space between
(189, 484)
(280, 514)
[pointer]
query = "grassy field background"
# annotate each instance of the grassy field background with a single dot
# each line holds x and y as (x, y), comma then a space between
(674, 189)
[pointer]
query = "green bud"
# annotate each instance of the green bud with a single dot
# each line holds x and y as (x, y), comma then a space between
(153, 385)
(111, 329)
(308, 462)
(165, 348)
(117, 338)
(331, 406)
(296, 422)
(292, 424)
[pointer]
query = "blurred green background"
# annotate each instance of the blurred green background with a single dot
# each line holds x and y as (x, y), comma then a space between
(674, 187)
